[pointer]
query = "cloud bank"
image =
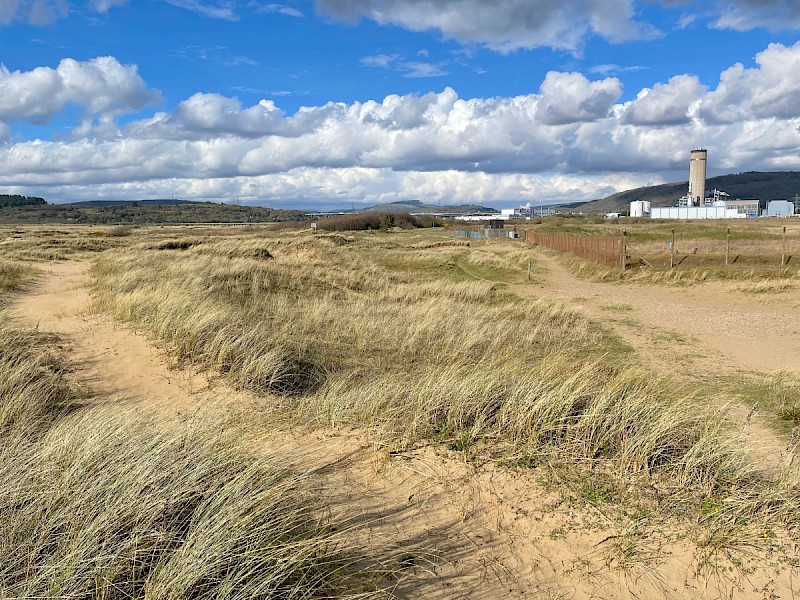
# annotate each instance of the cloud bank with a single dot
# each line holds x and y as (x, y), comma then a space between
(570, 140)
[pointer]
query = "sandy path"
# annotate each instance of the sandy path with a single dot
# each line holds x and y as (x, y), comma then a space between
(115, 363)
(450, 529)
(708, 325)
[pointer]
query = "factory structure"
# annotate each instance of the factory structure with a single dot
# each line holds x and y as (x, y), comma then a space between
(697, 204)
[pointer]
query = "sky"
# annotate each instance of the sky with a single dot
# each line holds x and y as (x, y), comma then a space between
(325, 104)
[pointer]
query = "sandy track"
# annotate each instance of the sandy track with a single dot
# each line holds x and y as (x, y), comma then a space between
(710, 325)
(451, 529)
(115, 363)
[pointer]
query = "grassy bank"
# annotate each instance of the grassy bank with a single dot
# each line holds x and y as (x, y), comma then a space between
(101, 502)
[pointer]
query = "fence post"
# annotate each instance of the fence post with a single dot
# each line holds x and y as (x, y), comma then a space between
(727, 244)
(783, 251)
(529, 270)
(672, 251)
(624, 253)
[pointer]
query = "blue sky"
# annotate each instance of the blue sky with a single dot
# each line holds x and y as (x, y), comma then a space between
(327, 102)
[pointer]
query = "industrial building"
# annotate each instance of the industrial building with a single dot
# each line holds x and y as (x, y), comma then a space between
(640, 208)
(717, 205)
(750, 207)
(696, 212)
(780, 208)
(527, 211)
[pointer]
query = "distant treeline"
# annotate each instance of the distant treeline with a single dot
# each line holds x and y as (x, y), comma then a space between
(16, 200)
(143, 214)
(376, 220)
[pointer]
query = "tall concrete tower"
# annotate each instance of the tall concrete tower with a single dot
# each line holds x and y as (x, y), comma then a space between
(697, 177)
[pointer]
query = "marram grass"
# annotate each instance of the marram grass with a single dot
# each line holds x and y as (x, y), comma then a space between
(99, 502)
(368, 332)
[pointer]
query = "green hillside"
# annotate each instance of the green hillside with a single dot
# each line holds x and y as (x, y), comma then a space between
(415, 206)
(781, 185)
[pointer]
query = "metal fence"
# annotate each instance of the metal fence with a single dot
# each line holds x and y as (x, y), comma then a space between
(604, 250)
(481, 234)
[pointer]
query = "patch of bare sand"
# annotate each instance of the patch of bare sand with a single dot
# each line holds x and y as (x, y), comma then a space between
(672, 328)
(450, 529)
(114, 363)
(443, 528)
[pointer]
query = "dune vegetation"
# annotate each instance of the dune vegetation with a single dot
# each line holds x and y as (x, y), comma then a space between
(409, 340)
(102, 502)
(14, 275)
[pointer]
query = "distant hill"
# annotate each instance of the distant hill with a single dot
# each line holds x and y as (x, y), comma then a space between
(415, 206)
(781, 185)
(144, 212)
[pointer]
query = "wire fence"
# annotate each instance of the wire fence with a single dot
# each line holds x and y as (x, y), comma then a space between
(481, 234)
(724, 248)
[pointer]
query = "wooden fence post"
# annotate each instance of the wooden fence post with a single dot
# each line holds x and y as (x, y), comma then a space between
(624, 252)
(783, 251)
(727, 244)
(672, 250)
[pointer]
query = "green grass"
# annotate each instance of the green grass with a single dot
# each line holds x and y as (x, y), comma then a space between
(776, 397)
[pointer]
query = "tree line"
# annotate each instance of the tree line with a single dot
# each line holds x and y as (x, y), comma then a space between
(16, 200)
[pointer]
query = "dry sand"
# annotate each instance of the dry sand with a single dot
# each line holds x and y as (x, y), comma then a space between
(451, 529)
(711, 325)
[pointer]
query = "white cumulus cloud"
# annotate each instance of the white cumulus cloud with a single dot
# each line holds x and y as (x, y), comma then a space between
(666, 103)
(571, 98)
(573, 139)
(100, 85)
(770, 90)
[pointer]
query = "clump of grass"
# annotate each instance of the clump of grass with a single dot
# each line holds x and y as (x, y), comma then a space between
(764, 287)
(121, 231)
(616, 306)
(102, 502)
(107, 505)
(558, 412)
(184, 244)
(33, 385)
(13, 275)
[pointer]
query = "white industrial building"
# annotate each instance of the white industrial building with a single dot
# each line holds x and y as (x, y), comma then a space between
(695, 205)
(640, 208)
(528, 211)
(780, 208)
(697, 212)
